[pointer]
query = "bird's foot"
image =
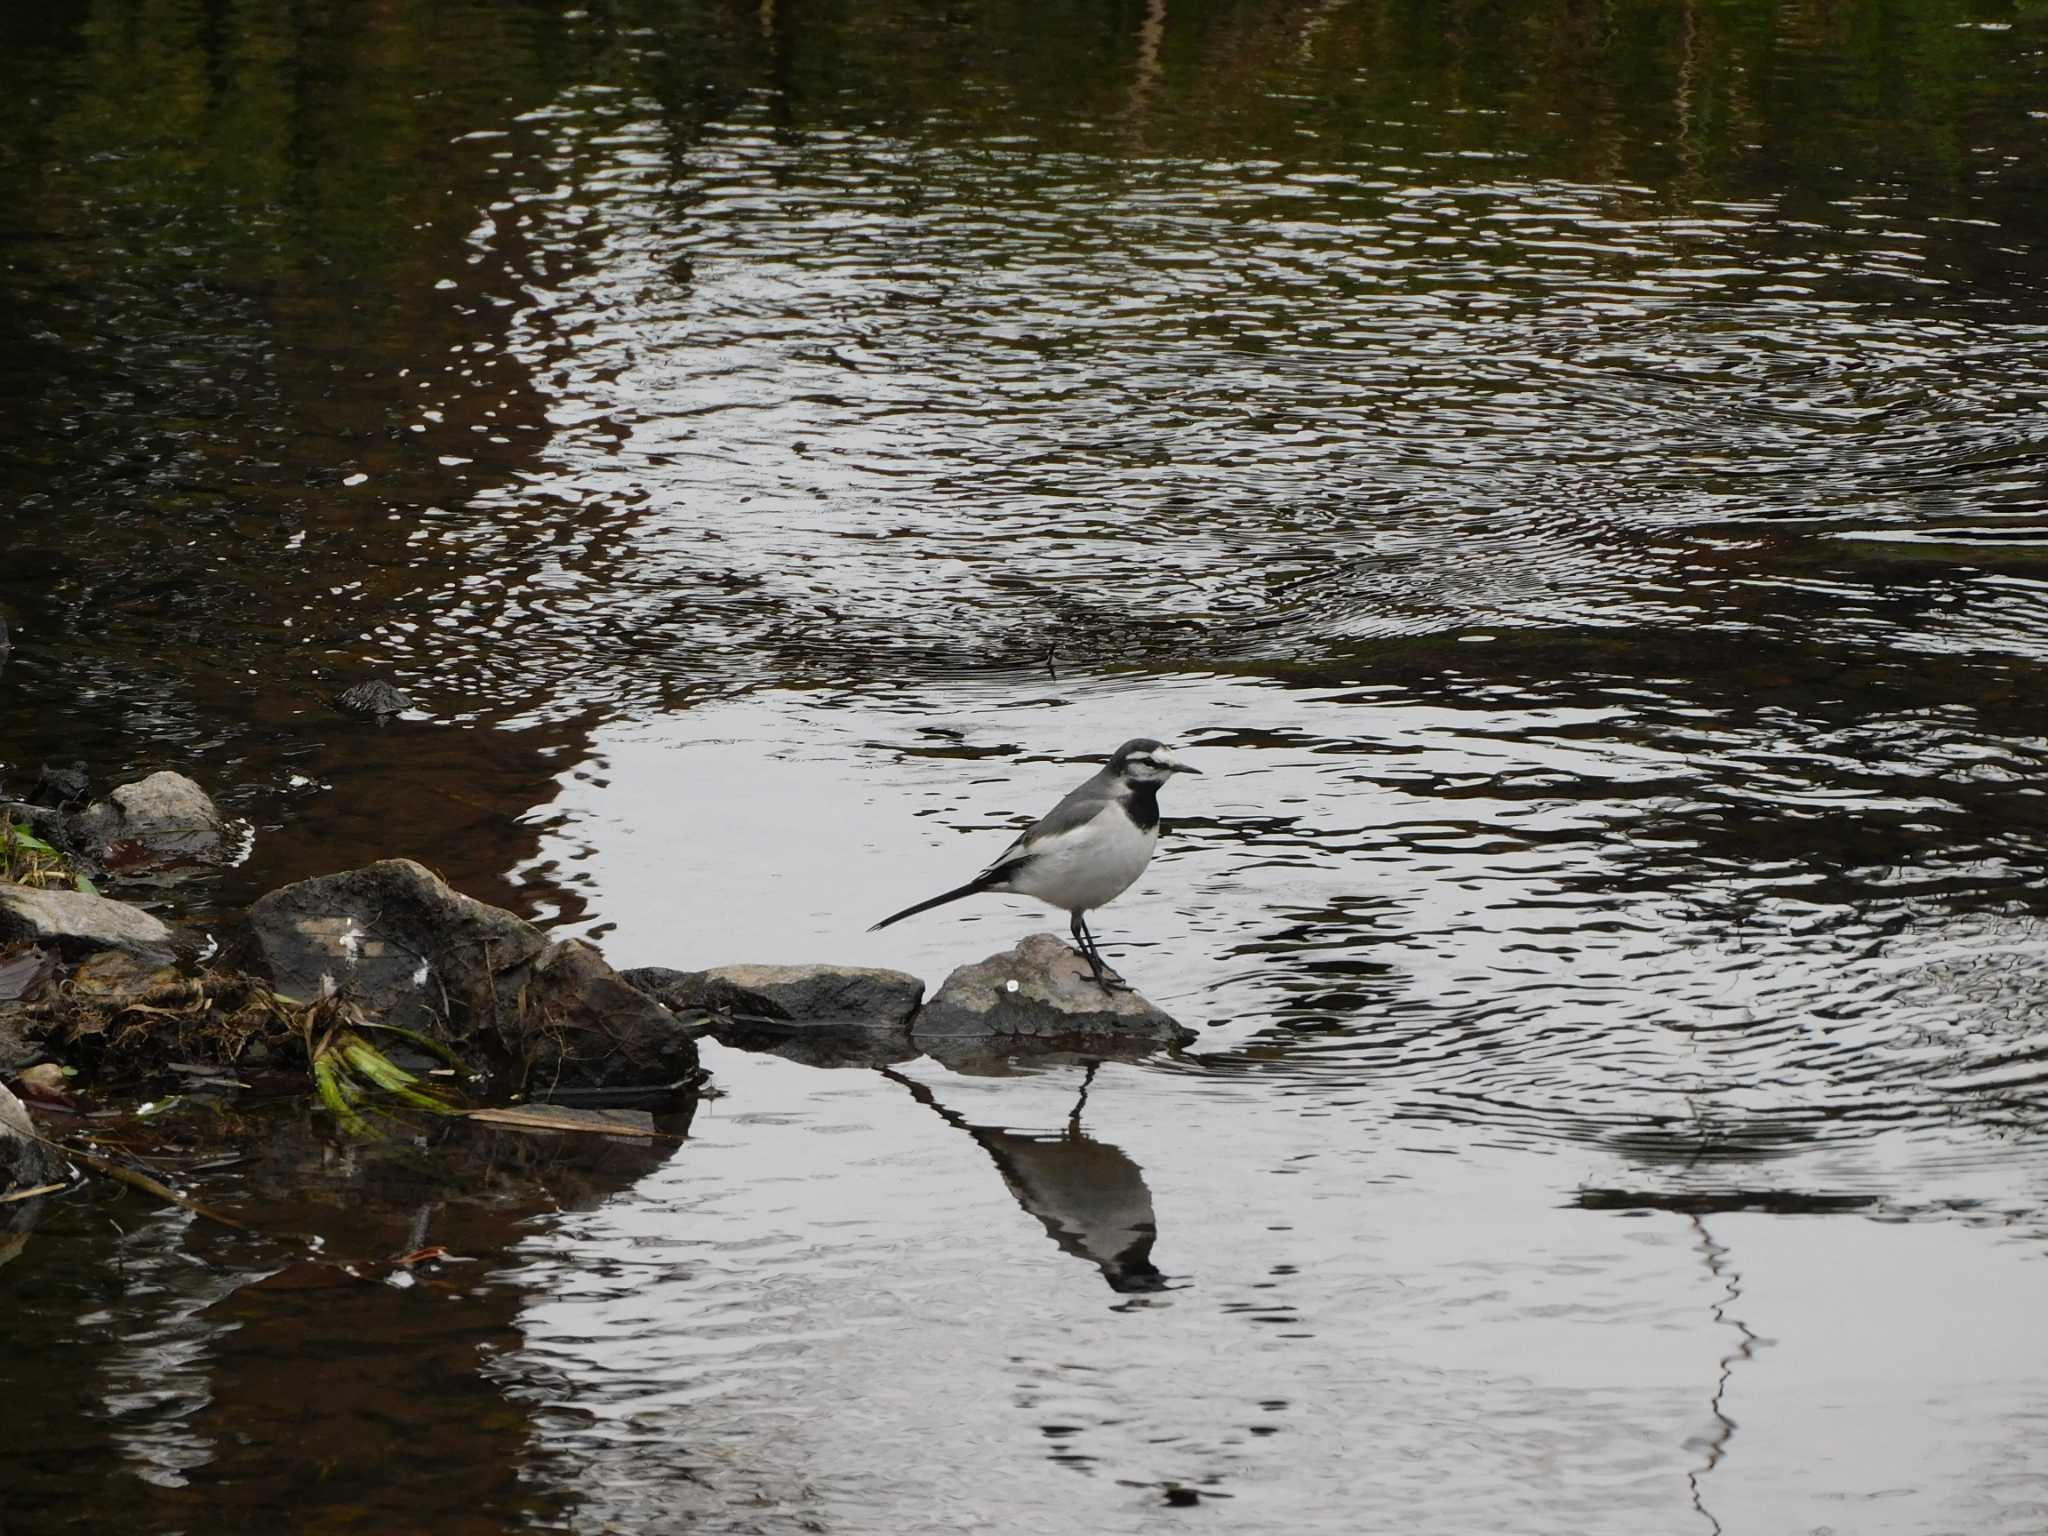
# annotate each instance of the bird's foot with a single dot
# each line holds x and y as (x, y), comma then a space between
(1105, 978)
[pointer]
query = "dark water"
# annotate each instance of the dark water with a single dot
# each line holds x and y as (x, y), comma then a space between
(1576, 480)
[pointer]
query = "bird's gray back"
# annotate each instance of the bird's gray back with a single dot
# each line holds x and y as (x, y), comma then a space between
(1081, 806)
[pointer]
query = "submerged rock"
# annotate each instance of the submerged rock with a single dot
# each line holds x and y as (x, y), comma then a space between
(394, 938)
(62, 788)
(853, 999)
(1040, 992)
(376, 698)
(74, 923)
(163, 819)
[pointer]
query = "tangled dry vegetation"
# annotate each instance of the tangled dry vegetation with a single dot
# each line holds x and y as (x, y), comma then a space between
(122, 1019)
(26, 859)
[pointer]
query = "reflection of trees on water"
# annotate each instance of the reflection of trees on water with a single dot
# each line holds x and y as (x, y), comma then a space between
(1088, 1195)
(220, 1376)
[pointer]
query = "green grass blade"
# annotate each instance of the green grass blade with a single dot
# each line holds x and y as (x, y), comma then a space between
(372, 1066)
(328, 1082)
(27, 839)
(426, 1043)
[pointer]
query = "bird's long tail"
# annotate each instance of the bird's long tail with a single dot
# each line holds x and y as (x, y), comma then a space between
(971, 888)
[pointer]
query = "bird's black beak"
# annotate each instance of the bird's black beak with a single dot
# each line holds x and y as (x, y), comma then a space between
(1184, 768)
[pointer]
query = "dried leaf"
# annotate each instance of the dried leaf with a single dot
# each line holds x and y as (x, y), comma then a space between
(44, 1083)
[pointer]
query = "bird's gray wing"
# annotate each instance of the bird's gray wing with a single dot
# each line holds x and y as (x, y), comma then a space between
(1079, 808)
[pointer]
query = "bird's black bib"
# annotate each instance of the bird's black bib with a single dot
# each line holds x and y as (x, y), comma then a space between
(1143, 806)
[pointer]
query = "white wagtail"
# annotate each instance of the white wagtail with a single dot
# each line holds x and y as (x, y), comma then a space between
(1087, 850)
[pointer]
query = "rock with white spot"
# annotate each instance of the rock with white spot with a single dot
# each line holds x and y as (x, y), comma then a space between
(1039, 993)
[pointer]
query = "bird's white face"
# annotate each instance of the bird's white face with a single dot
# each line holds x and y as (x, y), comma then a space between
(1154, 765)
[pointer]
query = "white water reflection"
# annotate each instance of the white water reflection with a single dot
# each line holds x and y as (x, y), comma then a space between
(825, 1311)
(1494, 1061)
(1542, 924)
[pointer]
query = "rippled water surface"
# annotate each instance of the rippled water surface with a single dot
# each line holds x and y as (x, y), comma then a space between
(1574, 479)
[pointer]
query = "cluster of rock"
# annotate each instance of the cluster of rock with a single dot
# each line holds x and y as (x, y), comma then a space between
(1038, 994)
(155, 826)
(542, 1017)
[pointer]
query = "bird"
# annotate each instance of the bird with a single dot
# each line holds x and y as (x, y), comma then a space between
(1085, 851)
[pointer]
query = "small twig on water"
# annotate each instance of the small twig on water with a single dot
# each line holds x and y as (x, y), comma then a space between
(141, 1181)
(29, 1194)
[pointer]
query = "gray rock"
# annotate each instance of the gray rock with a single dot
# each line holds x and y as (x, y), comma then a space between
(375, 698)
(393, 937)
(656, 981)
(852, 999)
(75, 923)
(24, 1161)
(165, 818)
(1039, 993)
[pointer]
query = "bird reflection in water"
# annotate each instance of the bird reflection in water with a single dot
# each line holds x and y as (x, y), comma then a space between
(1089, 1196)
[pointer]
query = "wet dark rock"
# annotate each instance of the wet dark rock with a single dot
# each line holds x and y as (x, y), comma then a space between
(1039, 992)
(24, 1161)
(62, 789)
(163, 819)
(375, 698)
(25, 969)
(17, 1048)
(395, 937)
(854, 999)
(670, 988)
(397, 940)
(584, 1027)
(74, 923)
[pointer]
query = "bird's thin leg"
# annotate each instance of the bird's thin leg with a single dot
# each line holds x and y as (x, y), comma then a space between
(1092, 953)
(1084, 943)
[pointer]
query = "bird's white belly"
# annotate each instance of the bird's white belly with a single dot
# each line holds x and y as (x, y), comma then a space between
(1089, 867)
